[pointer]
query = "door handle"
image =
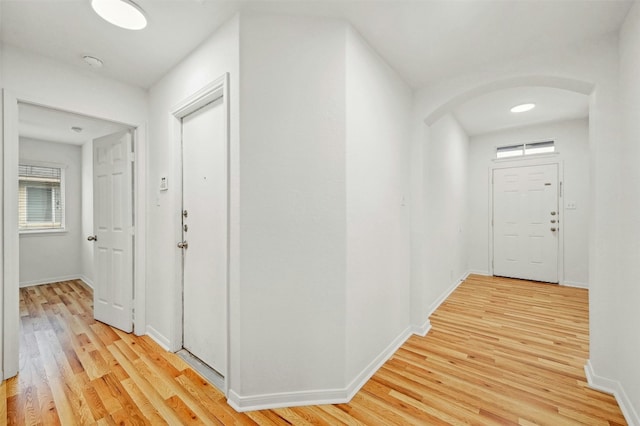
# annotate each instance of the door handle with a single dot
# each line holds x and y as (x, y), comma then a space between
(92, 238)
(183, 244)
(553, 229)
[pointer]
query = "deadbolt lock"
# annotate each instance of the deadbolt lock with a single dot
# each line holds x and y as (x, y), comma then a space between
(183, 244)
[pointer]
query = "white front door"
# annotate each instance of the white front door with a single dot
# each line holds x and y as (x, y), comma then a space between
(526, 222)
(113, 226)
(205, 193)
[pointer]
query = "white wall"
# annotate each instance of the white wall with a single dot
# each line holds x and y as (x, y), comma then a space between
(444, 199)
(86, 247)
(54, 256)
(617, 358)
(216, 56)
(378, 110)
(572, 144)
(292, 206)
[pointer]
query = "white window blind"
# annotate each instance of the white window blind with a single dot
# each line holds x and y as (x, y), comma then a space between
(41, 198)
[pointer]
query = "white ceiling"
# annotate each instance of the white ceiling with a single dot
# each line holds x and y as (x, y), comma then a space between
(491, 112)
(55, 126)
(423, 40)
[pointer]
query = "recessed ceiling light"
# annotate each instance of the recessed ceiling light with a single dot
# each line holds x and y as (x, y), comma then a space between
(523, 108)
(77, 129)
(93, 61)
(122, 13)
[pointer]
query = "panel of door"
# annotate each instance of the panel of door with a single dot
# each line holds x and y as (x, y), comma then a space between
(113, 226)
(205, 192)
(526, 222)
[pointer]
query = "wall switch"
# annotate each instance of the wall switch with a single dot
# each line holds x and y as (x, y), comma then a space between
(571, 205)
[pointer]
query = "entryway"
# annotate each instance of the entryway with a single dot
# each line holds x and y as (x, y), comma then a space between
(526, 222)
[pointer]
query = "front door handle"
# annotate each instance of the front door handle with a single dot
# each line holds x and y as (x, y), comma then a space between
(553, 229)
(92, 238)
(183, 244)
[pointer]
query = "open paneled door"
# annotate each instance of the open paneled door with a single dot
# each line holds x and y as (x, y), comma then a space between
(113, 225)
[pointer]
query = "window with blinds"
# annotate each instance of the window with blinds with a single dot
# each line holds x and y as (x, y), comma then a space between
(41, 198)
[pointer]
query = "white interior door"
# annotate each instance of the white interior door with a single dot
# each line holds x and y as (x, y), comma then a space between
(526, 222)
(205, 189)
(113, 226)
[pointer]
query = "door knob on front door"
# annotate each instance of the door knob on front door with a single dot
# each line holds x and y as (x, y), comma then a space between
(92, 238)
(553, 229)
(183, 244)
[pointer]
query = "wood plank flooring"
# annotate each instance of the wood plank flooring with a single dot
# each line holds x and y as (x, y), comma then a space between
(500, 352)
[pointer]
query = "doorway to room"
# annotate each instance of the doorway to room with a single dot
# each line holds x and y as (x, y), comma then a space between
(53, 174)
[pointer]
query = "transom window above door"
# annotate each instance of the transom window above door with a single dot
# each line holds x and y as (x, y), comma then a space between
(40, 198)
(522, 149)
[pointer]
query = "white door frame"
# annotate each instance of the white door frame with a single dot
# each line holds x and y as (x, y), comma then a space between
(9, 296)
(526, 162)
(219, 88)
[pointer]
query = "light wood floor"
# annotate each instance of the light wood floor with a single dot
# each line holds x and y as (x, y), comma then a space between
(500, 352)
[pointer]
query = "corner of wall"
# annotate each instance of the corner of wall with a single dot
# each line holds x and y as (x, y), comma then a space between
(614, 388)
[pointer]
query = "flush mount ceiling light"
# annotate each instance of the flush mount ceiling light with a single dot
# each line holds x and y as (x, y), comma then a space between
(93, 61)
(122, 13)
(77, 129)
(523, 108)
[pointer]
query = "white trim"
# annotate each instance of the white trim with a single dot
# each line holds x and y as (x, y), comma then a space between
(159, 338)
(421, 330)
(575, 284)
(52, 280)
(484, 273)
(286, 399)
(614, 388)
(86, 280)
(436, 304)
(318, 397)
(10, 256)
(218, 88)
(361, 379)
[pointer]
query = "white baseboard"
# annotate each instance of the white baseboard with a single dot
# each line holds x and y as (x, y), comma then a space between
(435, 305)
(87, 281)
(159, 338)
(318, 397)
(614, 388)
(421, 330)
(478, 272)
(285, 399)
(49, 280)
(364, 376)
(575, 284)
